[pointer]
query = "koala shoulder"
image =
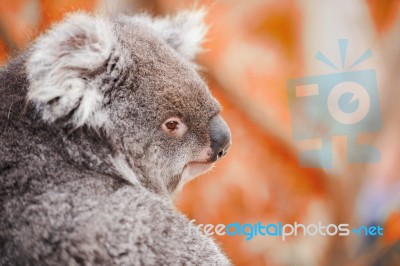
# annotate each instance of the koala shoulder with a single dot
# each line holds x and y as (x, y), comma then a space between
(130, 227)
(156, 235)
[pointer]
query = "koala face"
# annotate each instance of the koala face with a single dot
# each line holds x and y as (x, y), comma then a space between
(133, 78)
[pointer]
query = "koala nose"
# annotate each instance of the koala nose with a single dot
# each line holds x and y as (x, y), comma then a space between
(220, 138)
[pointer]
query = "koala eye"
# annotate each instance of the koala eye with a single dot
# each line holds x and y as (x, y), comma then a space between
(174, 127)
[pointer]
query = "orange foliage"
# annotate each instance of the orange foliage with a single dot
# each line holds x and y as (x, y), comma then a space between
(16, 25)
(23, 20)
(383, 13)
(392, 228)
(54, 10)
(3, 52)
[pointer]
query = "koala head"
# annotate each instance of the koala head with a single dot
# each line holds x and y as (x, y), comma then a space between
(133, 78)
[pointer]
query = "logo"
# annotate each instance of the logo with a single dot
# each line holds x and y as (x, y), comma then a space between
(283, 231)
(337, 104)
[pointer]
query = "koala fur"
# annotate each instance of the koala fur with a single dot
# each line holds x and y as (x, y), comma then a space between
(88, 163)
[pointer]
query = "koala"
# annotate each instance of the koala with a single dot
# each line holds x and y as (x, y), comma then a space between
(102, 120)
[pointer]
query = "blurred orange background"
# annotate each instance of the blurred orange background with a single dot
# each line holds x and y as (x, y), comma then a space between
(252, 48)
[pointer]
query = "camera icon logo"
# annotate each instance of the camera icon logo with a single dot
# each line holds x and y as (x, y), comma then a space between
(344, 103)
(338, 104)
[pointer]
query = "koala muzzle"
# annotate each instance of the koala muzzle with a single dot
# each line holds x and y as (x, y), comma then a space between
(220, 138)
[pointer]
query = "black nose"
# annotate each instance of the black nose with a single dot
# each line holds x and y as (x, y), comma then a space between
(220, 138)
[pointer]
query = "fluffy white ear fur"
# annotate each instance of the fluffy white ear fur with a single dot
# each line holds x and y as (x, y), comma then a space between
(78, 45)
(184, 32)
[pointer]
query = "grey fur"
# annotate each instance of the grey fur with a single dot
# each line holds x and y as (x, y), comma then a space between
(64, 198)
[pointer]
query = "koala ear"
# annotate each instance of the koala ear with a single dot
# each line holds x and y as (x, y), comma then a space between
(184, 32)
(62, 66)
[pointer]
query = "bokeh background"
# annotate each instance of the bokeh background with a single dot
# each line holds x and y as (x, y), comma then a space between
(252, 49)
